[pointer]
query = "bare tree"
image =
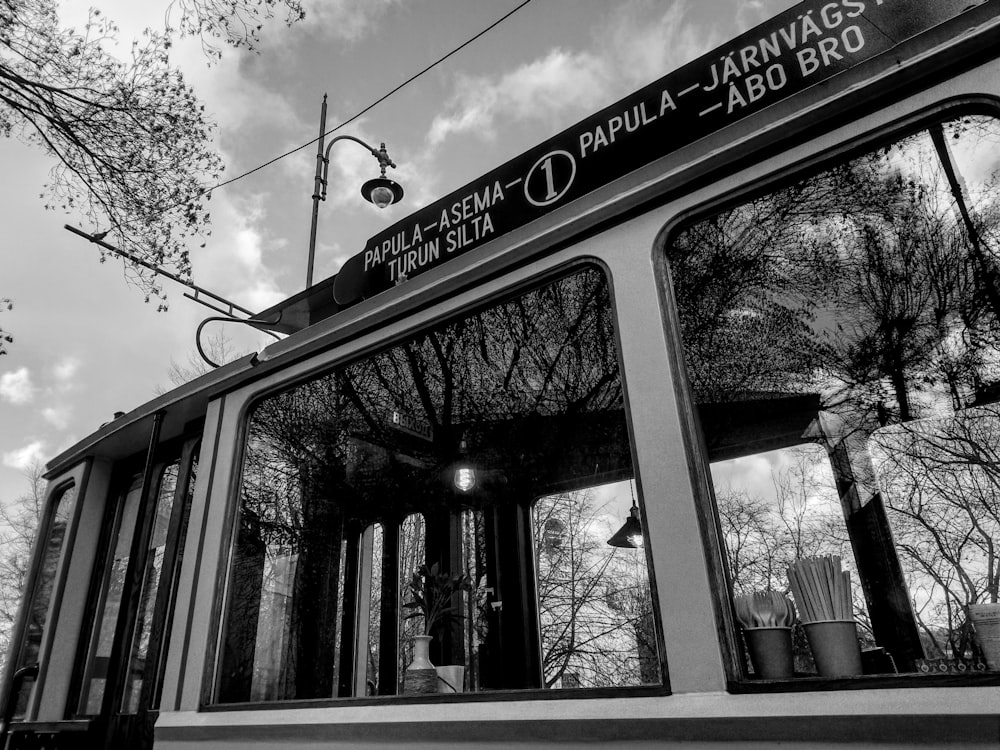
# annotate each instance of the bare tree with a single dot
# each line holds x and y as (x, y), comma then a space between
(130, 140)
(764, 535)
(236, 23)
(220, 349)
(941, 481)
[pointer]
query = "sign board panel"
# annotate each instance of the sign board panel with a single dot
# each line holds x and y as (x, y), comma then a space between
(805, 45)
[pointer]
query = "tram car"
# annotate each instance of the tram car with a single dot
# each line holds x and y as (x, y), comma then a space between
(681, 429)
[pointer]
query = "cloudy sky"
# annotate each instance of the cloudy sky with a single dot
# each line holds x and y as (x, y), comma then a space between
(86, 345)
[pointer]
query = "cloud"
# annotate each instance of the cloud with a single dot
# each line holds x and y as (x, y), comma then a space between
(540, 90)
(753, 12)
(564, 85)
(640, 50)
(58, 417)
(348, 20)
(65, 370)
(233, 263)
(23, 458)
(16, 386)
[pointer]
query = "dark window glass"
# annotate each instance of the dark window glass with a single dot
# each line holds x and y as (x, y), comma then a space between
(113, 589)
(110, 601)
(393, 499)
(842, 340)
(152, 581)
(63, 505)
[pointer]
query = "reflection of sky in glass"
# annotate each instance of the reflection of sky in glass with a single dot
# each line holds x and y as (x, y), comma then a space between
(611, 504)
(977, 158)
(756, 473)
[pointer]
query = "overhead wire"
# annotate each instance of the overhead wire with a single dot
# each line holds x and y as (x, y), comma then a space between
(368, 108)
(378, 101)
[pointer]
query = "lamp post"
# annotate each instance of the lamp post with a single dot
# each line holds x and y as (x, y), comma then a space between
(380, 190)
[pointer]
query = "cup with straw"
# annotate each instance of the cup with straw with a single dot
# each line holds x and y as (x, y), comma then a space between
(822, 592)
(767, 617)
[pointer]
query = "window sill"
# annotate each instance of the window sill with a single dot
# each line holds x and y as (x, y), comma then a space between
(865, 682)
(444, 698)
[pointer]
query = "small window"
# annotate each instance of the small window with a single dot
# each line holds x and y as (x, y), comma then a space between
(388, 536)
(54, 541)
(842, 342)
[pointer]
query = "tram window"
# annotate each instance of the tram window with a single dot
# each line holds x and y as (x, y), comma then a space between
(842, 342)
(594, 606)
(63, 505)
(152, 581)
(412, 554)
(423, 459)
(375, 610)
(113, 583)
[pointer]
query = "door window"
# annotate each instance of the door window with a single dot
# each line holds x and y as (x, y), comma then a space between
(62, 505)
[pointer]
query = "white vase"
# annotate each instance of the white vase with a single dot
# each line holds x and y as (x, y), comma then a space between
(421, 653)
(420, 676)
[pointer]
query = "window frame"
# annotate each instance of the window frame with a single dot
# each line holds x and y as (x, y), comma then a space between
(846, 148)
(183, 450)
(343, 353)
(72, 481)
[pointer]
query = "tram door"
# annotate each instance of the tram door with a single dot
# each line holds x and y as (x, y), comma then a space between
(121, 673)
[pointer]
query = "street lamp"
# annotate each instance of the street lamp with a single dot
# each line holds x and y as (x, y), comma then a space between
(380, 190)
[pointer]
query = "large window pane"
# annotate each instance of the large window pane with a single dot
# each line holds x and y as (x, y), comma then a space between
(842, 340)
(428, 458)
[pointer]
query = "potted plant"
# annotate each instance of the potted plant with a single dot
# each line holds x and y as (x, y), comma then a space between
(432, 597)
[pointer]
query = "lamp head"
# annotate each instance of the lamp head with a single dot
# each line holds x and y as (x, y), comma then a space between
(382, 191)
(630, 534)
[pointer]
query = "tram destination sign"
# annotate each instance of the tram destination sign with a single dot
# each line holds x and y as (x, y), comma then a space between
(805, 45)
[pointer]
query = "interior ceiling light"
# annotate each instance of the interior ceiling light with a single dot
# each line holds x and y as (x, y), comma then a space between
(465, 479)
(629, 535)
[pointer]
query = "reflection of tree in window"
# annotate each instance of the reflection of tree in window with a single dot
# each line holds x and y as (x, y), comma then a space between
(943, 478)
(594, 605)
(527, 391)
(863, 300)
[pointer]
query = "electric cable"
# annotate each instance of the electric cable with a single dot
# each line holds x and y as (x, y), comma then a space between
(375, 103)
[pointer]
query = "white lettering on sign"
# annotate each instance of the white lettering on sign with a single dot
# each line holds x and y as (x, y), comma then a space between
(414, 425)
(816, 39)
(808, 29)
(624, 123)
(413, 259)
(463, 222)
(828, 50)
(553, 185)
(469, 232)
